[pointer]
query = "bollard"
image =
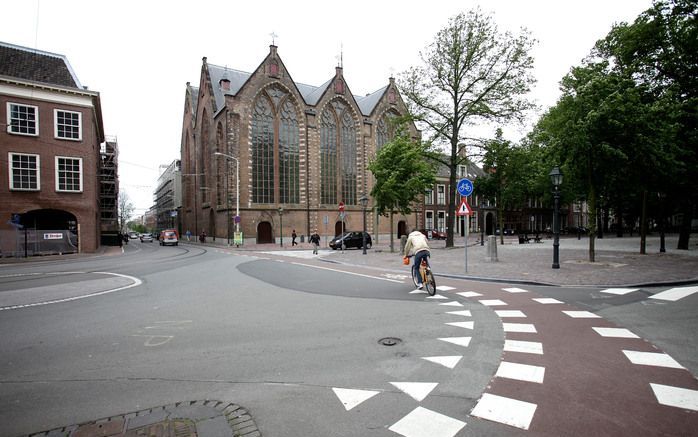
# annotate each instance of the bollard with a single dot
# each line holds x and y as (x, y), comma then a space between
(492, 248)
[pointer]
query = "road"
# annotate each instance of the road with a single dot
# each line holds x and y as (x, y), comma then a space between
(296, 341)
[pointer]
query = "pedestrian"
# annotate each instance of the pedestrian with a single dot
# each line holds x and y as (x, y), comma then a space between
(188, 234)
(418, 246)
(315, 240)
(121, 239)
(293, 238)
(202, 237)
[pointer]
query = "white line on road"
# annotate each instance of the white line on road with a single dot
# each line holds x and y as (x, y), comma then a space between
(348, 273)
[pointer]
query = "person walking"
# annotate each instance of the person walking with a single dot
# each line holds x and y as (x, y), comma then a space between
(202, 237)
(315, 241)
(293, 238)
(418, 246)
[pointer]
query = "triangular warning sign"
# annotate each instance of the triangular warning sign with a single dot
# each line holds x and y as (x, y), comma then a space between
(464, 208)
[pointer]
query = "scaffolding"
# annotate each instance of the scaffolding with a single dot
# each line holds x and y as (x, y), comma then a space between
(109, 191)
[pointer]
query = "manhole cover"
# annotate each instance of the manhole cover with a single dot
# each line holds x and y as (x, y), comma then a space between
(389, 341)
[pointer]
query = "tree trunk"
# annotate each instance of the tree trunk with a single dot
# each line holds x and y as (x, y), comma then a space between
(592, 223)
(500, 211)
(685, 229)
(451, 206)
(392, 234)
(643, 225)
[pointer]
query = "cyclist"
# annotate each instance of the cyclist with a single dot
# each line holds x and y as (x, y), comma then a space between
(418, 246)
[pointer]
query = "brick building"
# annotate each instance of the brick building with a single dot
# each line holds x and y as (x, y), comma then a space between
(300, 149)
(50, 153)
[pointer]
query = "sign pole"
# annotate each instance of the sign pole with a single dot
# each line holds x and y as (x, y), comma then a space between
(467, 220)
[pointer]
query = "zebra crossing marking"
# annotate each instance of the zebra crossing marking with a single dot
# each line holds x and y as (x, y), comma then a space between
(521, 372)
(519, 327)
(676, 396)
(614, 332)
(658, 359)
(582, 315)
(674, 294)
(505, 410)
(510, 314)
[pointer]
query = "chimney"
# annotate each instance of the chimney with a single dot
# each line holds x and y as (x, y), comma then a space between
(224, 83)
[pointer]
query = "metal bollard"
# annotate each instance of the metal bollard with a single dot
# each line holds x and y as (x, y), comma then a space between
(492, 248)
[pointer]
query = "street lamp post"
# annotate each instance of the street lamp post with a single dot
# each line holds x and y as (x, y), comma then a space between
(237, 192)
(482, 221)
(662, 219)
(281, 225)
(364, 202)
(556, 180)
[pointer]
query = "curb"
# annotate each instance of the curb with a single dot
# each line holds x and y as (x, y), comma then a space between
(213, 417)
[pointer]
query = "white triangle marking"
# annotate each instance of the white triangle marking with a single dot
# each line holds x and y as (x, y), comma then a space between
(351, 397)
(466, 325)
(438, 296)
(465, 313)
(417, 291)
(417, 390)
(446, 361)
(452, 304)
(460, 341)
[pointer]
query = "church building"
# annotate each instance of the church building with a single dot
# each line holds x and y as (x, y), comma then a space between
(265, 155)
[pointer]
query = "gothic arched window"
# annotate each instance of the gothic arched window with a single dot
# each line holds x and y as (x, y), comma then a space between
(337, 155)
(385, 131)
(289, 155)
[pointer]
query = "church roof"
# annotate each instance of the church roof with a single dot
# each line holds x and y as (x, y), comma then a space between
(369, 102)
(36, 66)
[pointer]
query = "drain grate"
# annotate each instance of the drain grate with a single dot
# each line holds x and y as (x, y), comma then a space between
(389, 341)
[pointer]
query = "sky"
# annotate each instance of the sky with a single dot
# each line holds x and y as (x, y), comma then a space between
(139, 55)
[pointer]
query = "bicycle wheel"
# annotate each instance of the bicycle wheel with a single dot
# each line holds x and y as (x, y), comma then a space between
(415, 272)
(430, 283)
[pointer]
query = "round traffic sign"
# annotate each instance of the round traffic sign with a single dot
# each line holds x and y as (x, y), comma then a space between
(465, 187)
(341, 206)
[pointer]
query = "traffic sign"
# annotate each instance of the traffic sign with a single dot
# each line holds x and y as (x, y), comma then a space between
(465, 187)
(236, 219)
(341, 206)
(464, 209)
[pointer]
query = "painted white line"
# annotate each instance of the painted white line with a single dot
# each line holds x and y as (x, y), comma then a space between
(416, 390)
(449, 361)
(452, 304)
(547, 300)
(519, 327)
(417, 291)
(351, 397)
(505, 410)
(469, 294)
(510, 314)
(437, 296)
(618, 291)
(521, 372)
(460, 341)
(515, 290)
(136, 283)
(674, 294)
(445, 288)
(465, 325)
(676, 396)
(526, 347)
(615, 332)
(348, 273)
(426, 423)
(464, 313)
(652, 359)
(492, 302)
(581, 315)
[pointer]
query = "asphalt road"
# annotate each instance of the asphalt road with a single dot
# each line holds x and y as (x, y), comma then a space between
(296, 342)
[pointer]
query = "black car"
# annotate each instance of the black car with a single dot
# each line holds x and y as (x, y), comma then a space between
(350, 239)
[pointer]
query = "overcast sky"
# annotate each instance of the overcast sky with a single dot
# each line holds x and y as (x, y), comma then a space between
(140, 54)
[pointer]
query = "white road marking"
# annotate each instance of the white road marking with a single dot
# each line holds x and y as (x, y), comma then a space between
(437, 296)
(469, 294)
(674, 294)
(615, 332)
(619, 291)
(449, 361)
(510, 314)
(515, 290)
(445, 288)
(348, 273)
(416, 390)
(351, 397)
(652, 359)
(547, 300)
(426, 423)
(417, 291)
(460, 341)
(521, 372)
(581, 315)
(464, 313)
(452, 304)
(519, 327)
(505, 410)
(526, 347)
(155, 340)
(676, 396)
(465, 325)
(492, 302)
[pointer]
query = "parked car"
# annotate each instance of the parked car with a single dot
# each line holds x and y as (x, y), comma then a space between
(146, 238)
(169, 236)
(133, 235)
(433, 234)
(351, 239)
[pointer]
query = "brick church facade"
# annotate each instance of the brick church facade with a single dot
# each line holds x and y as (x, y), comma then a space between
(300, 150)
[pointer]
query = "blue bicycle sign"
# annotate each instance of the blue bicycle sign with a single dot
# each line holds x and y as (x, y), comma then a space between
(465, 187)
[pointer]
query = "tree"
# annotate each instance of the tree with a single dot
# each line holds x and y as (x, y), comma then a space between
(402, 176)
(126, 209)
(472, 73)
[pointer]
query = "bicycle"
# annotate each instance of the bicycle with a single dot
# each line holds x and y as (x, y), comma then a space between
(427, 276)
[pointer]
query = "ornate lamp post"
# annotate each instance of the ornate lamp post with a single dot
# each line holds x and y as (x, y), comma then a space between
(364, 202)
(556, 180)
(281, 224)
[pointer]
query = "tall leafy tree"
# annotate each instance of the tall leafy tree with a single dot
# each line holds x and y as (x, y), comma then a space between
(402, 176)
(470, 74)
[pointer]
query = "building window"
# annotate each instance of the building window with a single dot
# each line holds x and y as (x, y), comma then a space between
(22, 119)
(68, 174)
(462, 171)
(338, 169)
(289, 155)
(263, 152)
(24, 171)
(441, 194)
(429, 220)
(441, 221)
(385, 131)
(429, 197)
(68, 125)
